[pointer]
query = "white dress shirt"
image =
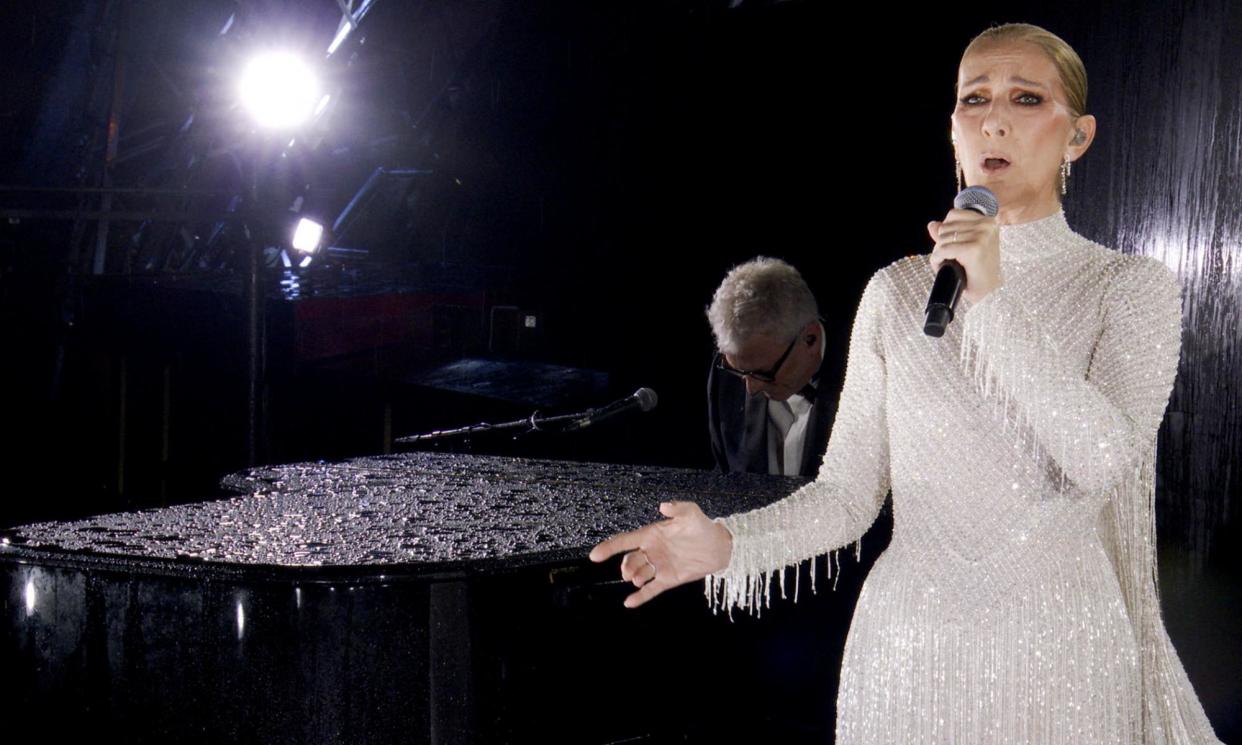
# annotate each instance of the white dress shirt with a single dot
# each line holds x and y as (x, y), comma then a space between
(787, 422)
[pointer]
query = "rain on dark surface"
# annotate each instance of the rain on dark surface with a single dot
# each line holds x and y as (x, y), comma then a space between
(405, 509)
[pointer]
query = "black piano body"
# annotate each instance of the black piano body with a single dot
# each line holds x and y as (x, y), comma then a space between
(421, 598)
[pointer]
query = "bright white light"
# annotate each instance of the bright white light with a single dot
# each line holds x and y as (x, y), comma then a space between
(30, 596)
(307, 235)
(323, 103)
(341, 33)
(279, 90)
(347, 25)
(241, 620)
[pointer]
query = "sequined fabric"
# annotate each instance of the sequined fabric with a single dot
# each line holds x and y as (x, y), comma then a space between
(1016, 602)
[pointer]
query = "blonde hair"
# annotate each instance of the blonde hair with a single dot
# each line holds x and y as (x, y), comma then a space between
(1069, 65)
(763, 297)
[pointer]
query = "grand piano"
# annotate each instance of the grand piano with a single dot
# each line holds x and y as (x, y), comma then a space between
(413, 598)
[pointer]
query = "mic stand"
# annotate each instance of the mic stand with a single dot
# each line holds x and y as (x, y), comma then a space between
(533, 423)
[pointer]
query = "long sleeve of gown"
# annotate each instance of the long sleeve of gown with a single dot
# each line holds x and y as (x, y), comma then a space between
(846, 496)
(1099, 427)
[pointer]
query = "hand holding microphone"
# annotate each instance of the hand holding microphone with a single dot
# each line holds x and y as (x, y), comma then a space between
(966, 257)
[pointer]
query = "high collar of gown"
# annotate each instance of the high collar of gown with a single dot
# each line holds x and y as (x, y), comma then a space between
(1037, 239)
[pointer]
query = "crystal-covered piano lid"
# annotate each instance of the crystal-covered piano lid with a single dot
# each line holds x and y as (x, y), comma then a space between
(408, 598)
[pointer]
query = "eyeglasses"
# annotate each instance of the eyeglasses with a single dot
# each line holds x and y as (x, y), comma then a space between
(763, 376)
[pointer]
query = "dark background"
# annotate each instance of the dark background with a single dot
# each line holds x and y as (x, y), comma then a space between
(597, 164)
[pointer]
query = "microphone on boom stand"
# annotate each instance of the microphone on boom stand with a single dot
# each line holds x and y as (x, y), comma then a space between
(643, 399)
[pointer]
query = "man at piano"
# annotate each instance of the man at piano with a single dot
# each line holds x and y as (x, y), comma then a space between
(767, 409)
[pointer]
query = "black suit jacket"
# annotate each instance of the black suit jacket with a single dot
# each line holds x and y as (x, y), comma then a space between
(739, 423)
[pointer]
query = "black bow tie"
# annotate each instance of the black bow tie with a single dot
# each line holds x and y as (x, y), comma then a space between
(808, 392)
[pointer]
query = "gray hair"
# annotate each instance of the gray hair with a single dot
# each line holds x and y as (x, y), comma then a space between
(763, 297)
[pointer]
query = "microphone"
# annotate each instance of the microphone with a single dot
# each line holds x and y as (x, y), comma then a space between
(643, 399)
(947, 289)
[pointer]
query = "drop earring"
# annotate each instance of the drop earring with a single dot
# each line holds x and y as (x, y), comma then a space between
(1065, 174)
(957, 165)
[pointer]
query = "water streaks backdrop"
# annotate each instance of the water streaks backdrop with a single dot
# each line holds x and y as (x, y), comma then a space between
(1162, 179)
(419, 508)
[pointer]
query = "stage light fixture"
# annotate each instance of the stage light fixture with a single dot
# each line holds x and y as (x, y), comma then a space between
(307, 235)
(349, 21)
(279, 90)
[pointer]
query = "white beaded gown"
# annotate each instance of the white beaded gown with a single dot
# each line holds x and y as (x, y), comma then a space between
(1016, 602)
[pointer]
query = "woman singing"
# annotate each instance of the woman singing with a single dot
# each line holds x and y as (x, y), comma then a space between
(1016, 602)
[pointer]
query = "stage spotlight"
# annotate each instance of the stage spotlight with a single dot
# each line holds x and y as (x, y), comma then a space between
(307, 235)
(279, 90)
